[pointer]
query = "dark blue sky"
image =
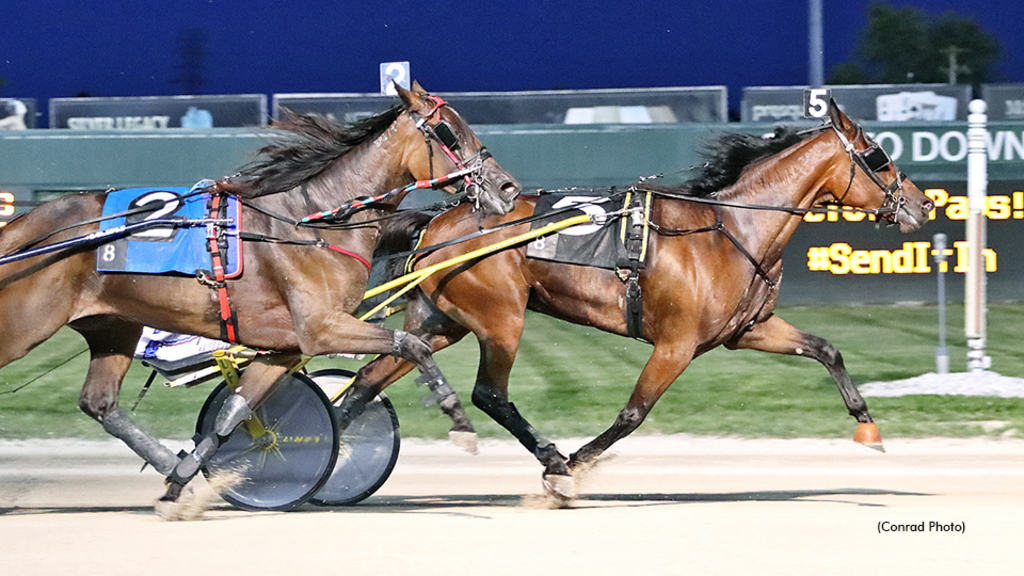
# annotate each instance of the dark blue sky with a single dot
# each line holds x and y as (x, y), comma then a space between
(56, 48)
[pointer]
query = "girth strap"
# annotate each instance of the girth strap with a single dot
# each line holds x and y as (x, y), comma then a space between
(217, 246)
(634, 238)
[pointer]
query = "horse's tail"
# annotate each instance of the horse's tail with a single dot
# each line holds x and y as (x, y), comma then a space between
(399, 234)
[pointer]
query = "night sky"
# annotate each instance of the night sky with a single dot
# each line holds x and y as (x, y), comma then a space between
(60, 48)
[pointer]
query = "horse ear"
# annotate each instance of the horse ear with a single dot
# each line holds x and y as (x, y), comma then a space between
(417, 88)
(839, 120)
(410, 99)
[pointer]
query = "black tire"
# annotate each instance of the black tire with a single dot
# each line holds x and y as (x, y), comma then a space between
(367, 449)
(285, 467)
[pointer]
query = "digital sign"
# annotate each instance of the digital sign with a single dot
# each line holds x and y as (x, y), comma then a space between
(845, 248)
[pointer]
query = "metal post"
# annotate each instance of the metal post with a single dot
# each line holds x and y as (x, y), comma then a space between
(942, 351)
(974, 287)
(816, 45)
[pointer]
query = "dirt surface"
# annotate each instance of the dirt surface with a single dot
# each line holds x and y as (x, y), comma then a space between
(659, 505)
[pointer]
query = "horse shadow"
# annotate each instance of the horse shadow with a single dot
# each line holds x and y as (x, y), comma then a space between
(632, 500)
(455, 502)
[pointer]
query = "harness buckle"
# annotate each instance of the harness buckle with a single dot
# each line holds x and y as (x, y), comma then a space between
(206, 278)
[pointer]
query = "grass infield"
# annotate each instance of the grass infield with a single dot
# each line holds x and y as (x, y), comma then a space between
(571, 381)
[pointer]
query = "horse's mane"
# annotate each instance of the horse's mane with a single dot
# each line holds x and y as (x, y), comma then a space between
(728, 154)
(302, 146)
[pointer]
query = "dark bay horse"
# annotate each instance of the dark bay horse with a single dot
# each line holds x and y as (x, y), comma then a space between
(711, 278)
(294, 297)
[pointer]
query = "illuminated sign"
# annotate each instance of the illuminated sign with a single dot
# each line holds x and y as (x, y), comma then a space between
(997, 207)
(840, 258)
(6, 206)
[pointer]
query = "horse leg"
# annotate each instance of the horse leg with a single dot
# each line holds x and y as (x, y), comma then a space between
(344, 333)
(422, 320)
(111, 345)
(257, 380)
(777, 336)
(662, 368)
(490, 394)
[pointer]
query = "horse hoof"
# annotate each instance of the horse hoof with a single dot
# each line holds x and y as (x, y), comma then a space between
(167, 509)
(171, 506)
(465, 440)
(560, 486)
(867, 434)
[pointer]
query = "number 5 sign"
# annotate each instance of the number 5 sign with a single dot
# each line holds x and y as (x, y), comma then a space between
(816, 102)
(396, 71)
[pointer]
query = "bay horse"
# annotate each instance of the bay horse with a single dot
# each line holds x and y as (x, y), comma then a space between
(711, 279)
(293, 298)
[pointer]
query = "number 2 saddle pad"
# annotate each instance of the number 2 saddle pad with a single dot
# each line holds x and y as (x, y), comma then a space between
(166, 250)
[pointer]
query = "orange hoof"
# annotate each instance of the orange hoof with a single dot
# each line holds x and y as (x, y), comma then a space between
(867, 434)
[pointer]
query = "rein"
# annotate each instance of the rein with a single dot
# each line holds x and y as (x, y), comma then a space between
(149, 207)
(336, 218)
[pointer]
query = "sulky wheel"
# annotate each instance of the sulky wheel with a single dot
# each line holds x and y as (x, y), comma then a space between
(367, 451)
(283, 454)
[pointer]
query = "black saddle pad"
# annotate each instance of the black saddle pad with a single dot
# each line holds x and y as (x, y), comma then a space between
(600, 244)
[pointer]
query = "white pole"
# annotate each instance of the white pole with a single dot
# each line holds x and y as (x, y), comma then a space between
(941, 351)
(816, 43)
(974, 287)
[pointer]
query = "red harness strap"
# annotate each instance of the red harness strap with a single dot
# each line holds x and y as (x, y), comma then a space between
(340, 250)
(217, 246)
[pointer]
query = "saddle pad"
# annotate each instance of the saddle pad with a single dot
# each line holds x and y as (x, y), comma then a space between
(597, 245)
(171, 347)
(165, 250)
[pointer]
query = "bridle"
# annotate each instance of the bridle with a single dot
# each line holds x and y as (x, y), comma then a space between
(873, 160)
(470, 171)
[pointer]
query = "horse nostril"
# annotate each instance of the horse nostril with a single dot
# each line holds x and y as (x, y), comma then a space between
(510, 190)
(927, 205)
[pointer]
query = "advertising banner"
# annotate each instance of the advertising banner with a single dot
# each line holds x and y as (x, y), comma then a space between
(1005, 101)
(627, 106)
(882, 102)
(159, 112)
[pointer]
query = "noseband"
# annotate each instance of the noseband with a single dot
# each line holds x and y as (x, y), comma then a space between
(872, 161)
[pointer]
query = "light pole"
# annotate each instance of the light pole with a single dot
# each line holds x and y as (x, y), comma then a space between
(816, 43)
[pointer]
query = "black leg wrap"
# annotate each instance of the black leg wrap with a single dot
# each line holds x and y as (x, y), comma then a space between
(353, 405)
(118, 424)
(505, 413)
(554, 461)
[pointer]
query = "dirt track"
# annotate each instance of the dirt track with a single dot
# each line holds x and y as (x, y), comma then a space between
(661, 505)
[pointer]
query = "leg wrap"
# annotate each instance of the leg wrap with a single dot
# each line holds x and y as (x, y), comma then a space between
(118, 424)
(396, 344)
(232, 413)
(353, 405)
(190, 464)
(435, 382)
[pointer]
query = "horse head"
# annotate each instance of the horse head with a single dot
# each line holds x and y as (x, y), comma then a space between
(453, 149)
(866, 177)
